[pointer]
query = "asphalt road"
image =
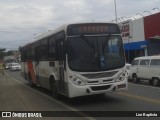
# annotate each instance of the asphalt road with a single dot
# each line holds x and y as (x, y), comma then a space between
(139, 97)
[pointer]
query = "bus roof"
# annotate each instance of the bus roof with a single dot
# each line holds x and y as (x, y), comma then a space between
(61, 28)
(48, 33)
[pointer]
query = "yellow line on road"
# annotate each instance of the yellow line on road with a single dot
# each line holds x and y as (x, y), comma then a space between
(147, 86)
(139, 97)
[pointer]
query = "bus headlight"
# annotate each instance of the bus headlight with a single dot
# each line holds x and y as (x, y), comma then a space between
(77, 81)
(121, 77)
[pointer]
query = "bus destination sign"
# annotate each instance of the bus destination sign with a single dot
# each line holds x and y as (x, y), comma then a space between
(89, 29)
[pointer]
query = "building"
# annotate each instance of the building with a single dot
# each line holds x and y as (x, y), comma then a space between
(152, 33)
(141, 36)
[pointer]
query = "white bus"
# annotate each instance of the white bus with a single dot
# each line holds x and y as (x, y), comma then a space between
(77, 60)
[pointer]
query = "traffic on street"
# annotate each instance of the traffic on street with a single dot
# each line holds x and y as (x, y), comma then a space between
(18, 96)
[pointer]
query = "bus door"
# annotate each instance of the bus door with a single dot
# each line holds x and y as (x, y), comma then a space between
(60, 52)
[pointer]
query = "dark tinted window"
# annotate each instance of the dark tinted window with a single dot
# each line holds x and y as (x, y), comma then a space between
(135, 62)
(155, 62)
(23, 54)
(52, 47)
(29, 52)
(98, 53)
(144, 62)
(44, 49)
(33, 51)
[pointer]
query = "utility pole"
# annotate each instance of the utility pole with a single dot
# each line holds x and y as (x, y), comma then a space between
(115, 10)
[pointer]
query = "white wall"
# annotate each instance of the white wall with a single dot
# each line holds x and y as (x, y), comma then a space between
(138, 30)
(135, 30)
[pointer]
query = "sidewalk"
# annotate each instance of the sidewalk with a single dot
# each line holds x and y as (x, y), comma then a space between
(15, 96)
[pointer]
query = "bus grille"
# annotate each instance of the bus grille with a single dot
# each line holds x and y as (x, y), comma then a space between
(97, 88)
(99, 75)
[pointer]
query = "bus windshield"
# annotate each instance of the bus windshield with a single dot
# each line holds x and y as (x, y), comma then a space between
(95, 53)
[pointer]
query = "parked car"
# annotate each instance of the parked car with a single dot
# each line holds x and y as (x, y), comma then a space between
(14, 66)
(146, 68)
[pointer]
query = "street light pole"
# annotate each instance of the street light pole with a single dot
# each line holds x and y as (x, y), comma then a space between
(140, 14)
(128, 49)
(147, 12)
(115, 10)
(132, 17)
(156, 8)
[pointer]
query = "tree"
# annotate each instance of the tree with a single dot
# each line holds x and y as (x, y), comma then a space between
(2, 53)
(10, 52)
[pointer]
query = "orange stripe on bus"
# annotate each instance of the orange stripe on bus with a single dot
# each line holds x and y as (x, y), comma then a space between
(31, 70)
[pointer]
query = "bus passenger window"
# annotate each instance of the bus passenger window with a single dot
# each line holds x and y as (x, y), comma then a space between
(52, 47)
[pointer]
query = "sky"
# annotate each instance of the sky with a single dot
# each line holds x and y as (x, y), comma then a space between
(22, 20)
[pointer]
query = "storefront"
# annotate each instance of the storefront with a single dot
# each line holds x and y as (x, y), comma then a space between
(135, 49)
(152, 33)
(153, 46)
(141, 37)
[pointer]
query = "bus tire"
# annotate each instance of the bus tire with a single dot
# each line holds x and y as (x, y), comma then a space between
(54, 88)
(31, 84)
(155, 81)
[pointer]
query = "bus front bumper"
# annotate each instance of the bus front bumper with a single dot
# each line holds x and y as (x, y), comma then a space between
(75, 91)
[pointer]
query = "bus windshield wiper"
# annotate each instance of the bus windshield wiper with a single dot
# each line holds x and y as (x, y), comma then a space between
(106, 42)
(87, 41)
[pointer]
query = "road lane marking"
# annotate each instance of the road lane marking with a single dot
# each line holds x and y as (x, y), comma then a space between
(144, 85)
(54, 100)
(139, 97)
